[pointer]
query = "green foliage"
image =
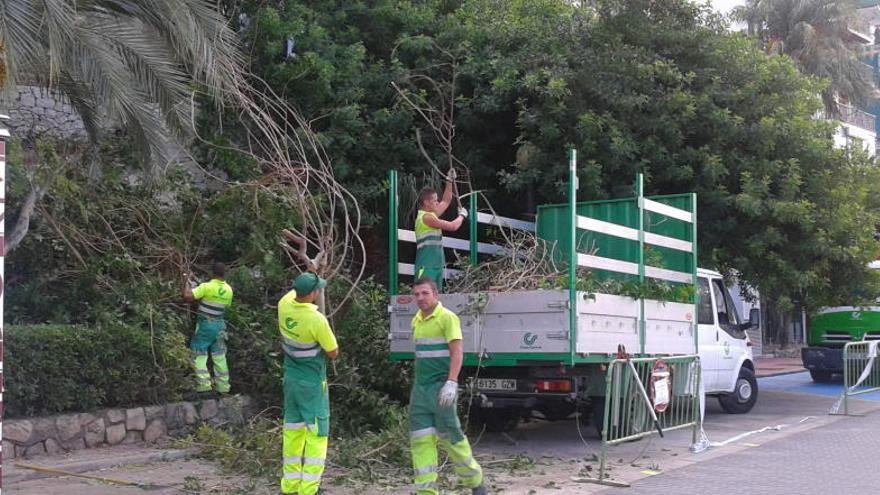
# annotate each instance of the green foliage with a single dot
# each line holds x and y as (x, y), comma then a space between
(108, 253)
(366, 387)
(55, 368)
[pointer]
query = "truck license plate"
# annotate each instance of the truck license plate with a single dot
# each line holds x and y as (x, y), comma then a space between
(496, 384)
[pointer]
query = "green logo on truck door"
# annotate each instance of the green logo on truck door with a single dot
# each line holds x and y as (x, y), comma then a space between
(529, 340)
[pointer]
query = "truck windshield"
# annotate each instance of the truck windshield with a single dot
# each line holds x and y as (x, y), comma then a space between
(728, 318)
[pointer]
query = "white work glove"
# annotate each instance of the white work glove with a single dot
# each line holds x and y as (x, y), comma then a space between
(452, 174)
(446, 397)
(462, 212)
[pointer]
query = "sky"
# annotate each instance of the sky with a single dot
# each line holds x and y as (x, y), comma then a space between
(725, 6)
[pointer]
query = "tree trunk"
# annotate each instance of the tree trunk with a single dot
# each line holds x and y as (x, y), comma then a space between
(23, 222)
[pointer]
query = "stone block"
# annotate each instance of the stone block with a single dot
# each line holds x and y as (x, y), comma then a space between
(35, 449)
(155, 430)
(43, 428)
(26, 100)
(132, 437)
(232, 409)
(174, 414)
(190, 416)
(75, 444)
(208, 409)
(115, 416)
(8, 450)
(152, 412)
(246, 404)
(135, 419)
(19, 431)
(95, 433)
(68, 426)
(116, 433)
(52, 446)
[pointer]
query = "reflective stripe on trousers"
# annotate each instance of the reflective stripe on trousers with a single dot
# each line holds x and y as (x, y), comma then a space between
(424, 443)
(221, 373)
(304, 456)
(203, 376)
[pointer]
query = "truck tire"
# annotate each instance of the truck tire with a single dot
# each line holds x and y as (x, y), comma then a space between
(597, 414)
(744, 395)
(821, 376)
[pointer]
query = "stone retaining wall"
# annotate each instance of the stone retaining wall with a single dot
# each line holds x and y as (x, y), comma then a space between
(66, 432)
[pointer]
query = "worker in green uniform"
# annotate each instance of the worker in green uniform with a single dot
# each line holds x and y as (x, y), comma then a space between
(214, 297)
(307, 342)
(432, 407)
(430, 261)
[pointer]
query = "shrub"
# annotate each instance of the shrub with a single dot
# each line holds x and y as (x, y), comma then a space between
(56, 368)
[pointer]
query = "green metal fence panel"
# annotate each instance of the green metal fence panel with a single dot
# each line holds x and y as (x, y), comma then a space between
(861, 371)
(628, 400)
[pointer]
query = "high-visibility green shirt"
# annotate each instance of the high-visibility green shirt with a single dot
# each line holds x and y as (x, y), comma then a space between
(431, 336)
(306, 337)
(214, 297)
(427, 236)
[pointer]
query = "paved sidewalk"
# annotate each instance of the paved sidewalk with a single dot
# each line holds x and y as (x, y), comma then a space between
(772, 366)
(840, 458)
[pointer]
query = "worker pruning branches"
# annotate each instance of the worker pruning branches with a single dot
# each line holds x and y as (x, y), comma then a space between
(214, 297)
(430, 259)
(308, 342)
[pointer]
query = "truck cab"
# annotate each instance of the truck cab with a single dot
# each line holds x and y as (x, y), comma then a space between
(728, 367)
(829, 331)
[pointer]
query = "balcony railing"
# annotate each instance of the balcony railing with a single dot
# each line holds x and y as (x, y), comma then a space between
(856, 117)
(861, 28)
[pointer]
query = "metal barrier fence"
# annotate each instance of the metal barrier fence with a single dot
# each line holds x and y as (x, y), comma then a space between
(861, 373)
(644, 396)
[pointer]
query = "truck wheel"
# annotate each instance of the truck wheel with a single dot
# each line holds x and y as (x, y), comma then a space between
(821, 376)
(498, 420)
(744, 394)
(597, 414)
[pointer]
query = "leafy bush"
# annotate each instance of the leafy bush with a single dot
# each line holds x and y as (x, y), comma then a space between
(366, 387)
(56, 368)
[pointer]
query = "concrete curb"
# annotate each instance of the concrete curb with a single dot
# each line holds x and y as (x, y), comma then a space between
(12, 474)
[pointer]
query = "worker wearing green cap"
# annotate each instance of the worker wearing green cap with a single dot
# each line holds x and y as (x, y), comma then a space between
(307, 341)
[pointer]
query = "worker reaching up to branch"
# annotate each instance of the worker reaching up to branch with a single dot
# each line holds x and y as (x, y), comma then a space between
(430, 260)
(214, 297)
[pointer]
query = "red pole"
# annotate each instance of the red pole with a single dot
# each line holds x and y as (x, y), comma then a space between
(4, 135)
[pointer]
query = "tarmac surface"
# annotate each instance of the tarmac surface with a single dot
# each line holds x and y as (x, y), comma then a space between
(789, 425)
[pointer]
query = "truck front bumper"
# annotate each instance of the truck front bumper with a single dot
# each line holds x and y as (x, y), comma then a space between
(822, 359)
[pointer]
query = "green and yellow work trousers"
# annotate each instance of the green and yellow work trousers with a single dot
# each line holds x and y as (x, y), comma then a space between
(430, 262)
(306, 428)
(432, 426)
(209, 338)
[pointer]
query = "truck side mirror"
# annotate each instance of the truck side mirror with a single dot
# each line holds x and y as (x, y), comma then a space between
(755, 317)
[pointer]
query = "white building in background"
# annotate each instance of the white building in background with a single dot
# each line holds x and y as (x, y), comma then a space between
(857, 130)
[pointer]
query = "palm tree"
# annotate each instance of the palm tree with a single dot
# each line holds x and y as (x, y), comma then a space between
(128, 63)
(816, 35)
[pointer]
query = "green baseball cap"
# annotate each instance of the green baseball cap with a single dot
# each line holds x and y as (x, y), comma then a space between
(307, 282)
